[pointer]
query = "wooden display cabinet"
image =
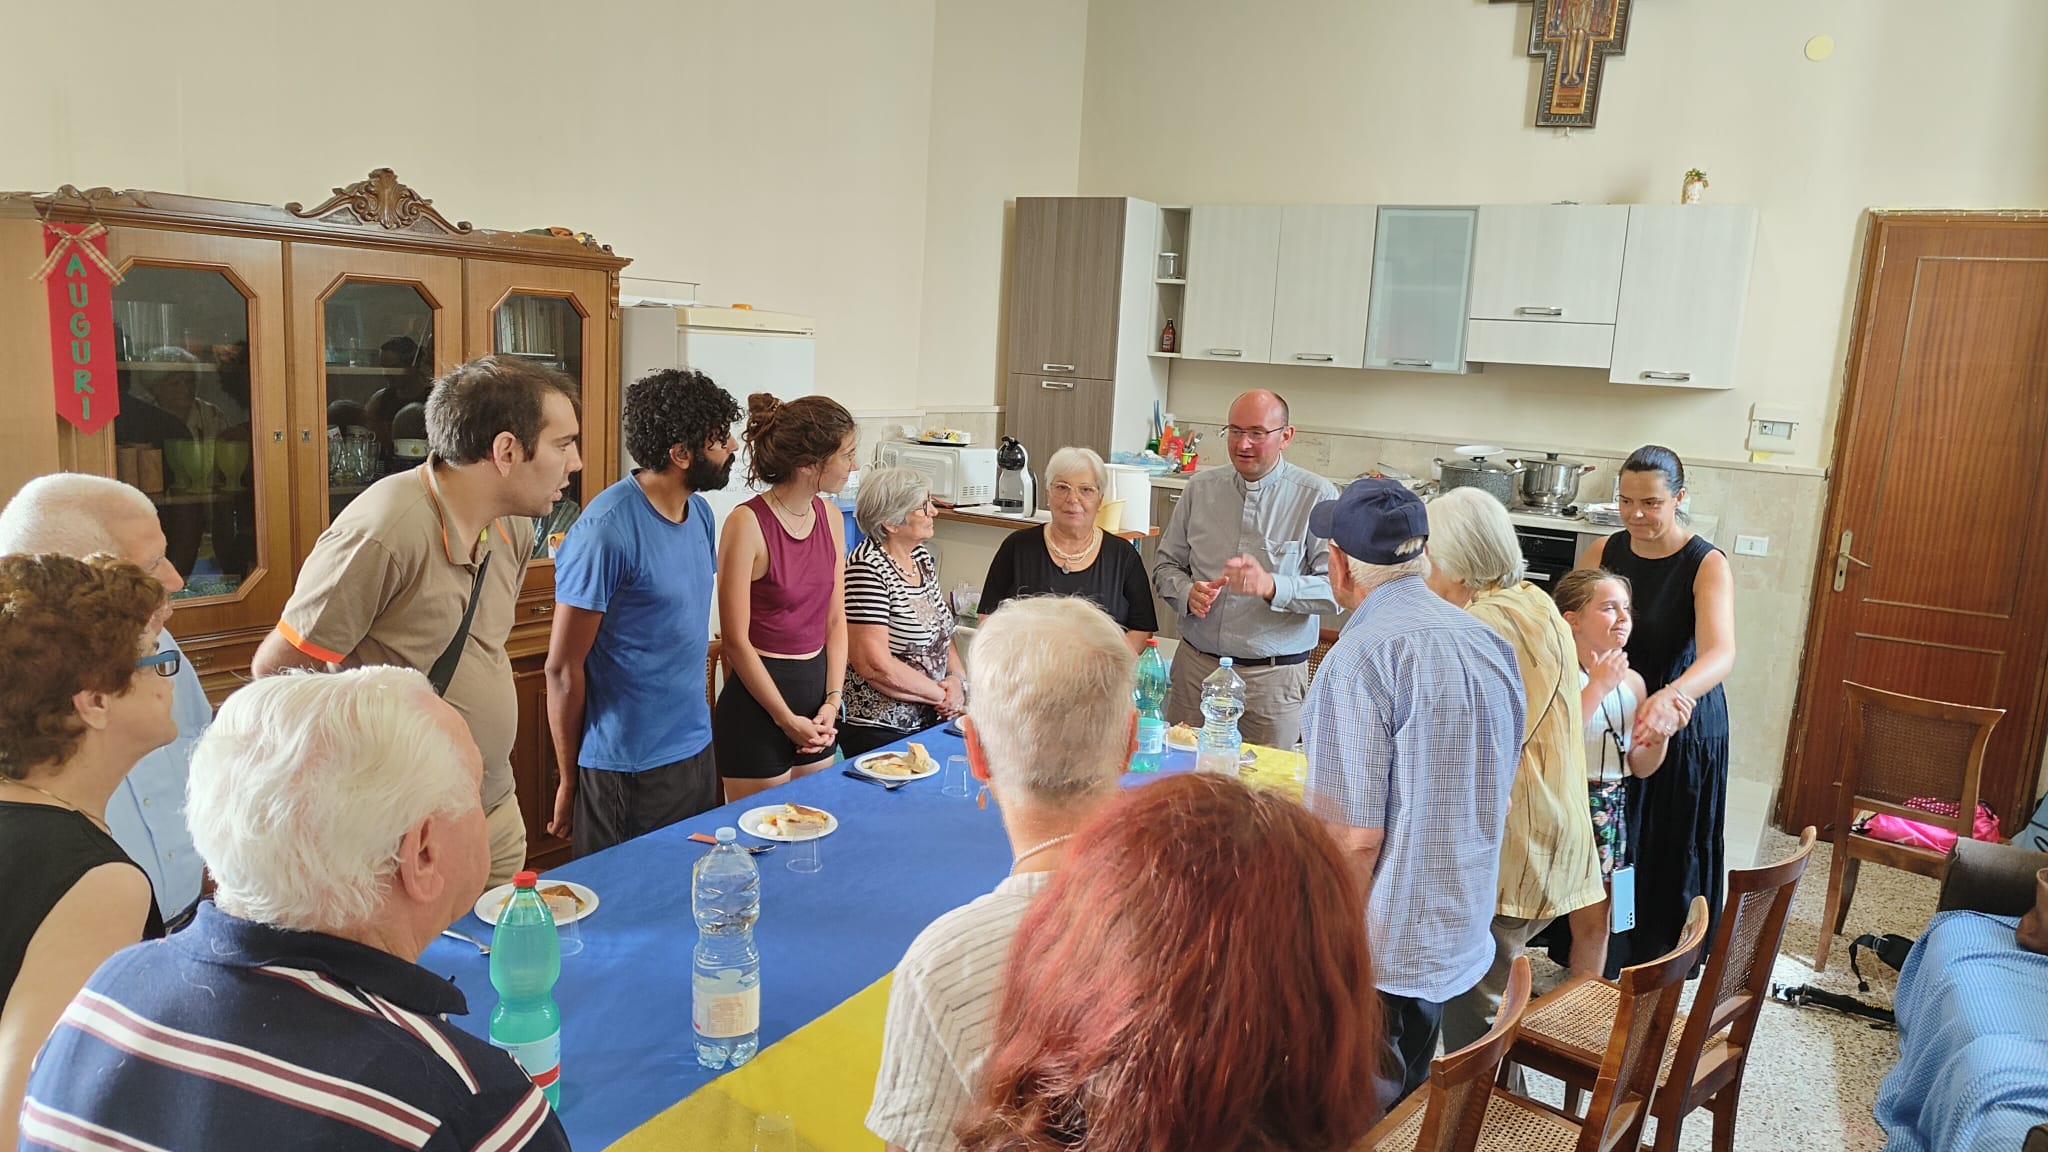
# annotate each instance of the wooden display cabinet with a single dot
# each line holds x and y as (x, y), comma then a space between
(273, 363)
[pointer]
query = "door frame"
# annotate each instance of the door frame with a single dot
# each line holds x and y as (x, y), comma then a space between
(1875, 232)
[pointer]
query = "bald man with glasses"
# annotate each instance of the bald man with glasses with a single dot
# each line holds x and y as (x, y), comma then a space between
(1249, 579)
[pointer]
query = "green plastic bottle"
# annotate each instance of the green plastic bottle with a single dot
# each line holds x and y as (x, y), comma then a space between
(526, 960)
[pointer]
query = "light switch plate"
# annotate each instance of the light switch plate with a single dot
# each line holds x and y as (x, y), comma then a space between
(1752, 545)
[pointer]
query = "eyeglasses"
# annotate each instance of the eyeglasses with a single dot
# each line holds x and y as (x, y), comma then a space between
(1085, 491)
(1250, 435)
(165, 663)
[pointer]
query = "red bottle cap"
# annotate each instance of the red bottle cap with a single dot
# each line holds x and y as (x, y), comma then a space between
(526, 879)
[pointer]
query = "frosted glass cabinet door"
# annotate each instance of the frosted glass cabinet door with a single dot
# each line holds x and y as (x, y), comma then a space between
(1233, 257)
(1684, 287)
(1421, 276)
(1325, 270)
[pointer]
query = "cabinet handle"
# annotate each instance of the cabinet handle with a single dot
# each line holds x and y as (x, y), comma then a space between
(1667, 376)
(1174, 498)
(1057, 385)
(1055, 367)
(277, 435)
(1314, 357)
(541, 609)
(1539, 311)
(200, 659)
(305, 435)
(1226, 351)
(1398, 363)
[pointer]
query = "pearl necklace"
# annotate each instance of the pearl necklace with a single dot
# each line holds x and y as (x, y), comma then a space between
(1035, 849)
(1068, 561)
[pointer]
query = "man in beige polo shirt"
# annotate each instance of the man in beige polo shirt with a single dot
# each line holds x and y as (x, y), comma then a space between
(390, 580)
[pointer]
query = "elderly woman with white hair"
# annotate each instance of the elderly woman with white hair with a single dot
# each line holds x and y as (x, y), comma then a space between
(1070, 556)
(903, 672)
(1549, 862)
(1050, 731)
(340, 814)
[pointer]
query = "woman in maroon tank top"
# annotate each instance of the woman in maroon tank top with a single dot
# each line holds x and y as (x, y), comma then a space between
(782, 596)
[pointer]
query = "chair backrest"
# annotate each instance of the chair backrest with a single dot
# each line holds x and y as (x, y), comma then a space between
(1327, 637)
(713, 657)
(1635, 1048)
(1737, 981)
(1461, 1082)
(1901, 748)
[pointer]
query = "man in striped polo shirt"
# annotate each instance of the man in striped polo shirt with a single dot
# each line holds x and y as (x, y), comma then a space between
(341, 818)
(1050, 729)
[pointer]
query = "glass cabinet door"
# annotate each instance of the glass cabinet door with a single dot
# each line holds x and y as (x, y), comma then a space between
(199, 356)
(553, 317)
(380, 330)
(1421, 277)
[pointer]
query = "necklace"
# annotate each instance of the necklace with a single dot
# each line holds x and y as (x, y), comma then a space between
(102, 824)
(809, 509)
(1068, 561)
(1035, 849)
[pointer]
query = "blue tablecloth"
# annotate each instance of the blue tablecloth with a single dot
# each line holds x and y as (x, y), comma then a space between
(897, 862)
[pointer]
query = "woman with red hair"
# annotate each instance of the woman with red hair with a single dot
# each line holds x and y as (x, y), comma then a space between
(1197, 976)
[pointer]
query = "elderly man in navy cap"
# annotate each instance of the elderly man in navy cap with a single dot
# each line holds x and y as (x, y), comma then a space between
(1413, 727)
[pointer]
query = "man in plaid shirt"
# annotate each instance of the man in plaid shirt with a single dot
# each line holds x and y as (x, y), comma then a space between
(1413, 727)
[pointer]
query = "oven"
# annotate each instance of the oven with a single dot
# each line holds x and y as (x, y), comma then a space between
(1548, 552)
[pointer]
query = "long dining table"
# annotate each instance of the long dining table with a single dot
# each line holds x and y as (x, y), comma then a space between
(828, 940)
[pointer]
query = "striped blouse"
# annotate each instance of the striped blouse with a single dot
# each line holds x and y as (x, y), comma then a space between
(920, 631)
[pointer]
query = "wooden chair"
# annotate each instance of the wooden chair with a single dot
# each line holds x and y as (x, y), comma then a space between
(1898, 748)
(1327, 637)
(1704, 1066)
(1446, 1116)
(714, 662)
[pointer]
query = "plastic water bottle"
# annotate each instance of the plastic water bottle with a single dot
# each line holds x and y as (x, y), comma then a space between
(725, 987)
(1150, 697)
(1222, 704)
(526, 960)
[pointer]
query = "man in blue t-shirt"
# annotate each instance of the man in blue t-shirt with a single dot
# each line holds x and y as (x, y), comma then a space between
(633, 588)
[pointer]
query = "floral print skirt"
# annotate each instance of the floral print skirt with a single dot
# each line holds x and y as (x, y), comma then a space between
(1610, 827)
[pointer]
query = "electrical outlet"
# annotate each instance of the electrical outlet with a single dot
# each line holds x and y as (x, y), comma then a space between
(1752, 545)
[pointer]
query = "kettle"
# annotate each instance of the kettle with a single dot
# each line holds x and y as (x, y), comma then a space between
(1016, 489)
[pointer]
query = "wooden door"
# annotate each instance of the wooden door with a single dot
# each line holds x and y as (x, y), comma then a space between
(1941, 497)
(1684, 288)
(1421, 279)
(1046, 414)
(1320, 292)
(371, 330)
(1089, 258)
(200, 331)
(1233, 267)
(535, 772)
(1034, 283)
(1548, 263)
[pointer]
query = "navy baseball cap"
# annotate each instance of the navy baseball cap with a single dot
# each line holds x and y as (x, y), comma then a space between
(1371, 520)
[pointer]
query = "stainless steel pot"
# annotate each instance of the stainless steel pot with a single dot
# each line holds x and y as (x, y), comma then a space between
(1476, 471)
(1551, 484)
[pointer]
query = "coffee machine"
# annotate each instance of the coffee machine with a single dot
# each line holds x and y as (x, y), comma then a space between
(1016, 490)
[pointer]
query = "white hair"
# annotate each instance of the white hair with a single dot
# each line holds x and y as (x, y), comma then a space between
(1370, 576)
(1070, 460)
(71, 513)
(1473, 542)
(306, 782)
(1052, 698)
(887, 498)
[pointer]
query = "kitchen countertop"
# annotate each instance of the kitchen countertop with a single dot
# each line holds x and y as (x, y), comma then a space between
(1704, 525)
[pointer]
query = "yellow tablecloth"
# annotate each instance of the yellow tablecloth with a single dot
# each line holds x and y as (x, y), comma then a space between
(823, 1075)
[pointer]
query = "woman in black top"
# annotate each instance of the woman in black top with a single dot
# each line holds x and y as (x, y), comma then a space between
(1684, 646)
(1070, 556)
(83, 695)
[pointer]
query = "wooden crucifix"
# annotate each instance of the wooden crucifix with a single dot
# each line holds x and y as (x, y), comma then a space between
(1574, 38)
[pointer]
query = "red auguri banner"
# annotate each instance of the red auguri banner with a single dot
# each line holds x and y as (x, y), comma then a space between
(80, 280)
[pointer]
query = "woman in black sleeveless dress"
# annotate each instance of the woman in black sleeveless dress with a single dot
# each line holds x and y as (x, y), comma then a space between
(1684, 646)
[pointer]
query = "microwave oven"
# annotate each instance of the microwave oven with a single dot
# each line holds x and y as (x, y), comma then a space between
(955, 475)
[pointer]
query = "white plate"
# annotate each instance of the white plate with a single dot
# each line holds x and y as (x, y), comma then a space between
(488, 904)
(862, 764)
(750, 823)
(1245, 756)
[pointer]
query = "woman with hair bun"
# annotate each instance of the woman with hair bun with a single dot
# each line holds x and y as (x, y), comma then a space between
(782, 596)
(1683, 643)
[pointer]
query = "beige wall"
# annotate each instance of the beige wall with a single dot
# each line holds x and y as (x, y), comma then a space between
(1428, 101)
(775, 151)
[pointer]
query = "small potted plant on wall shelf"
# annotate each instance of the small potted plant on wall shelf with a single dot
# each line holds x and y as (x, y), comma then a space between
(1695, 186)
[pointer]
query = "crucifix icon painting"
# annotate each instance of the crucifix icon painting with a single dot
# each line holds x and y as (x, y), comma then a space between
(1574, 38)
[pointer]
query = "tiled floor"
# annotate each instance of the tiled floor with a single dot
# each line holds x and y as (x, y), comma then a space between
(1813, 1074)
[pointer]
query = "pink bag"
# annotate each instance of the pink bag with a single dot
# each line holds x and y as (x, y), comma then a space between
(1913, 834)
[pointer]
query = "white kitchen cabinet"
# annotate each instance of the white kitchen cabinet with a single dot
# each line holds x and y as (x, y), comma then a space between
(1546, 281)
(1232, 260)
(1684, 287)
(1320, 295)
(1421, 280)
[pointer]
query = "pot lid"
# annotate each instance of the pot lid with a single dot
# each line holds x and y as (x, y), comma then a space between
(1476, 459)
